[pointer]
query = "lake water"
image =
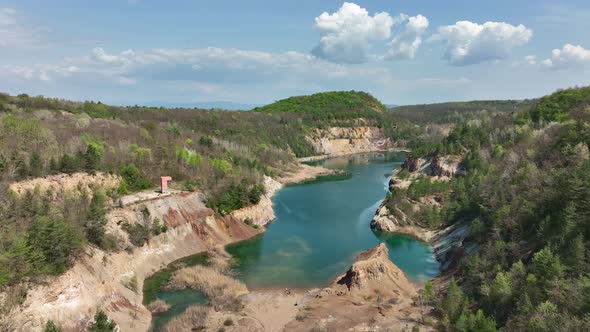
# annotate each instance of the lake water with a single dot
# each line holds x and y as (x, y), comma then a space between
(322, 225)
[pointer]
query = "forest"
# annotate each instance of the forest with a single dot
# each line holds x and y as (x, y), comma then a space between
(525, 195)
(526, 199)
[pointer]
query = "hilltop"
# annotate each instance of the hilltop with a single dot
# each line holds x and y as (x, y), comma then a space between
(335, 104)
(447, 112)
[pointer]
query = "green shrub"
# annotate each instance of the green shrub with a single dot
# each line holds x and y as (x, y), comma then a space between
(50, 326)
(235, 197)
(102, 323)
(50, 246)
(134, 179)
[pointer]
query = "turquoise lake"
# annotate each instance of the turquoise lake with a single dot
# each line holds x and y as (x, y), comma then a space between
(322, 225)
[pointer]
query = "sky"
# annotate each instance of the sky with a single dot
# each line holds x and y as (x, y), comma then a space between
(255, 52)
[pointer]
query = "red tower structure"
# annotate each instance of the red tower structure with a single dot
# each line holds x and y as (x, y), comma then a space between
(164, 183)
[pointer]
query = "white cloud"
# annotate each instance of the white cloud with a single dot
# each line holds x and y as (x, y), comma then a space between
(405, 45)
(12, 34)
(208, 74)
(568, 57)
(212, 66)
(7, 16)
(471, 43)
(347, 34)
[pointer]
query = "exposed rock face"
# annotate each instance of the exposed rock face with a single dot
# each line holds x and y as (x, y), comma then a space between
(374, 271)
(450, 247)
(105, 280)
(441, 167)
(446, 166)
(67, 182)
(261, 213)
(337, 141)
(385, 221)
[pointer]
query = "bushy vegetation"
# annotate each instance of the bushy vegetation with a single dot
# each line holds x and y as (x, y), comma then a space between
(102, 323)
(527, 197)
(141, 232)
(329, 105)
(455, 112)
(560, 105)
(236, 196)
(42, 232)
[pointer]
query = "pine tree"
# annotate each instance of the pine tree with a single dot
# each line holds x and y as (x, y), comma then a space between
(92, 158)
(51, 327)
(35, 165)
(102, 323)
(547, 267)
(53, 166)
(575, 255)
(96, 219)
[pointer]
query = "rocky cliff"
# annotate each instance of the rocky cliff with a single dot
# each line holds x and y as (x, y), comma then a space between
(67, 182)
(113, 281)
(439, 167)
(448, 242)
(337, 141)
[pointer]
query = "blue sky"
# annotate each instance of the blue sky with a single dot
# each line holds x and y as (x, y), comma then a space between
(254, 52)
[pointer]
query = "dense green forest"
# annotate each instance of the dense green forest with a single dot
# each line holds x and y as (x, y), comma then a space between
(329, 105)
(526, 198)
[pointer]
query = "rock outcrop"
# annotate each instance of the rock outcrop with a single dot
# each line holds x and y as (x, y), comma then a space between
(262, 213)
(67, 182)
(439, 167)
(448, 243)
(338, 141)
(386, 221)
(373, 270)
(112, 281)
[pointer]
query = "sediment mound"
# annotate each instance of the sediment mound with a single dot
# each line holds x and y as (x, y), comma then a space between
(373, 271)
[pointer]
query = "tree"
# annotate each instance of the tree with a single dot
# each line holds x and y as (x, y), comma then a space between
(92, 157)
(51, 327)
(453, 302)
(546, 267)
(256, 193)
(575, 255)
(69, 164)
(102, 323)
(501, 287)
(35, 165)
(221, 167)
(50, 245)
(96, 220)
(134, 178)
(480, 323)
